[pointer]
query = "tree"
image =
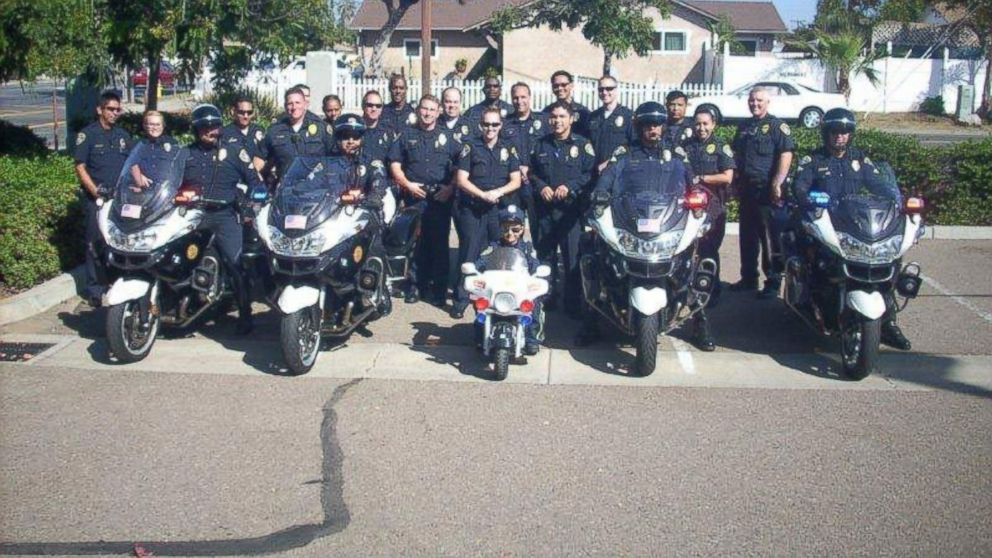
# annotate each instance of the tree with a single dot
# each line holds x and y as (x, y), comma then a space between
(977, 16)
(616, 26)
(847, 54)
(395, 10)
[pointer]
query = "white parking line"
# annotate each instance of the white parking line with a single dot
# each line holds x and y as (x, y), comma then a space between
(684, 356)
(959, 299)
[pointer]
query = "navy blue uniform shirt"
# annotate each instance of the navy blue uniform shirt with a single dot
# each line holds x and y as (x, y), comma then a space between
(580, 118)
(757, 146)
(555, 162)
(522, 133)
(251, 137)
(607, 133)
(642, 168)
(427, 156)
(678, 133)
(397, 117)
(460, 127)
(488, 168)
(712, 156)
(376, 142)
(853, 173)
(218, 170)
(103, 152)
(281, 145)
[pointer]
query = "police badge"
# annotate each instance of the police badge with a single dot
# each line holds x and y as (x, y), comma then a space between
(711, 148)
(537, 124)
(502, 112)
(243, 155)
(504, 154)
(361, 170)
(123, 144)
(618, 121)
(167, 147)
(573, 152)
(312, 130)
(765, 128)
(666, 155)
(221, 154)
(464, 129)
(411, 119)
(80, 138)
(259, 135)
(442, 139)
(855, 165)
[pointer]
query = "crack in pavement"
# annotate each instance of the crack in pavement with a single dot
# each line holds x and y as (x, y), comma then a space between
(336, 514)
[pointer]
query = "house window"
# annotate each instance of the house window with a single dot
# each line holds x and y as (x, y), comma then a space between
(749, 47)
(676, 42)
(411, 47)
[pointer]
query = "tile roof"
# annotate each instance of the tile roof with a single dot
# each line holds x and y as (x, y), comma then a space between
(745, 16)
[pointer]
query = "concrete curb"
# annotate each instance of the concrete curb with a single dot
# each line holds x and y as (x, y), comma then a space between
(933, 232)
(40, 298)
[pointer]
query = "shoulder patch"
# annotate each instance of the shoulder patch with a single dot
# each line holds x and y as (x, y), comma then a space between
(361, 170)
(728, 151)
(589, 150)
(487, 251)
(464, 129)
(259, 135)
(680, 152)
(537, 123)
(806, 160)
(513, 150)
(377, 164)
(329, 129)
(312, 129)
(856, 165)
(573, 152)
(243, 155)
(785, 128)
(80, 138)
(868, 161)
(621, 150)
(466, 149)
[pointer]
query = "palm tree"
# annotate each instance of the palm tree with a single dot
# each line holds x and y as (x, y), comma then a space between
(848, 54)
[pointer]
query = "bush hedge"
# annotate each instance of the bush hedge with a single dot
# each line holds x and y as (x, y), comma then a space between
(20, 141)
(41, 219)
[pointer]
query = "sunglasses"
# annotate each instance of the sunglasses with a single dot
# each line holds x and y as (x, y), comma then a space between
(602, 89)
(349, 136)
(515, 229)
(491, 124)
(560, 84)
(373, 105)
(492, 86)
(113, 109)
(245, 112)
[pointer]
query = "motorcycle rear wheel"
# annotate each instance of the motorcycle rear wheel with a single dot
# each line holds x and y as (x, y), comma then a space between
(124, 337)
(859, 343)
(501, 364)
(646, 343)
(299, 336)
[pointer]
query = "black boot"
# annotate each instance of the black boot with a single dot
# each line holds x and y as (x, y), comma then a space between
(242, 295)
(412, 295)
(770, 289)
(893, 337)
(701, 333)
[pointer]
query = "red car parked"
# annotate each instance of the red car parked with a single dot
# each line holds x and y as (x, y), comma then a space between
(167, 76)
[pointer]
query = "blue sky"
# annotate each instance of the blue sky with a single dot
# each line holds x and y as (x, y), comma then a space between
(792, 10)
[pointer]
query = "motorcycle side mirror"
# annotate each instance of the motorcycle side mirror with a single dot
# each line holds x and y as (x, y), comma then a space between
(543, 271)
(468, 268)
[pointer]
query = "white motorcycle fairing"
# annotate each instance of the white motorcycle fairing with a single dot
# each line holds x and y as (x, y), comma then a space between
(869, 305)
(910, 233)
(167, 228)
(297, 298)
(648, 301)
(124, 290)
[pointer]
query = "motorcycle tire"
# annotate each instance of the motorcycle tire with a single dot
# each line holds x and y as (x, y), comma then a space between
(859, 343)
(299, 337)
(126, 342)
(646, 343)
(501, 364)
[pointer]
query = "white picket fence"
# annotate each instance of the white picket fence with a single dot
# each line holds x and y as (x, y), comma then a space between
(631, 94)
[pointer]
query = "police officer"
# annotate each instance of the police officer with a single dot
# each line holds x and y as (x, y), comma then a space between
(611, 125)
(561, 176)
(309, 115)
(641, 166)
(242, 127)
(291, 137)
(763, 149)
(521, 129)
(511, 234)
(452, 117)
(421, 161)
(679, 127)
(217, 168)
(331, 106)
(101, 149)
(493, 90)
(712, 165)
(837, 169)
(153, 125)
(377, 138)
(488, 177)
(562, 87)
(398, 114)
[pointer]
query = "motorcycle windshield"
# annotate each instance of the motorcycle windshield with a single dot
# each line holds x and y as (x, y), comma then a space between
(136, 206)
(648, 213)
(505, 258)
(869, 217)
(310, 192)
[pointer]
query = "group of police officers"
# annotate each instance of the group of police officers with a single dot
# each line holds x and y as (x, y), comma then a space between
(491, 166)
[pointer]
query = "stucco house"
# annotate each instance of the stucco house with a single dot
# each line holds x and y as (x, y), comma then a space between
(461, 31)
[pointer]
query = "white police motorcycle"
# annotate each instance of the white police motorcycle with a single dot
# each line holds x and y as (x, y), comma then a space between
(171, 274)
(320, 243)
(504, 296)
(845, 265)
(642, 273)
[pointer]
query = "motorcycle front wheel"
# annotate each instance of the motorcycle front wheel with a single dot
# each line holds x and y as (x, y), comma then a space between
(859, 342)
(646, 343)
(128, 338)
(501, 363)
(300, 339)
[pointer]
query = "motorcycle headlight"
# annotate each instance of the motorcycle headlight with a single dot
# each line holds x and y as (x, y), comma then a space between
(660, 248)
(504, 302)
(308, 245)
(878, 253)
(141, 241)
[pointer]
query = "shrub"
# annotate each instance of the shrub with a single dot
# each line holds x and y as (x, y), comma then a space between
(41, 219)
(20, 141)
(934, 106)
(267, 109)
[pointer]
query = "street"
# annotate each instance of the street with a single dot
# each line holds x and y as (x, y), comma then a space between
(397, 443)
(31, 106)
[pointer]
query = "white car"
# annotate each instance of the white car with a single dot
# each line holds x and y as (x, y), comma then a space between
(790, 101)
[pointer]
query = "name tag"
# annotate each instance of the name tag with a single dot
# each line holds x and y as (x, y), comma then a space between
(295, 222)
(131, 211)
